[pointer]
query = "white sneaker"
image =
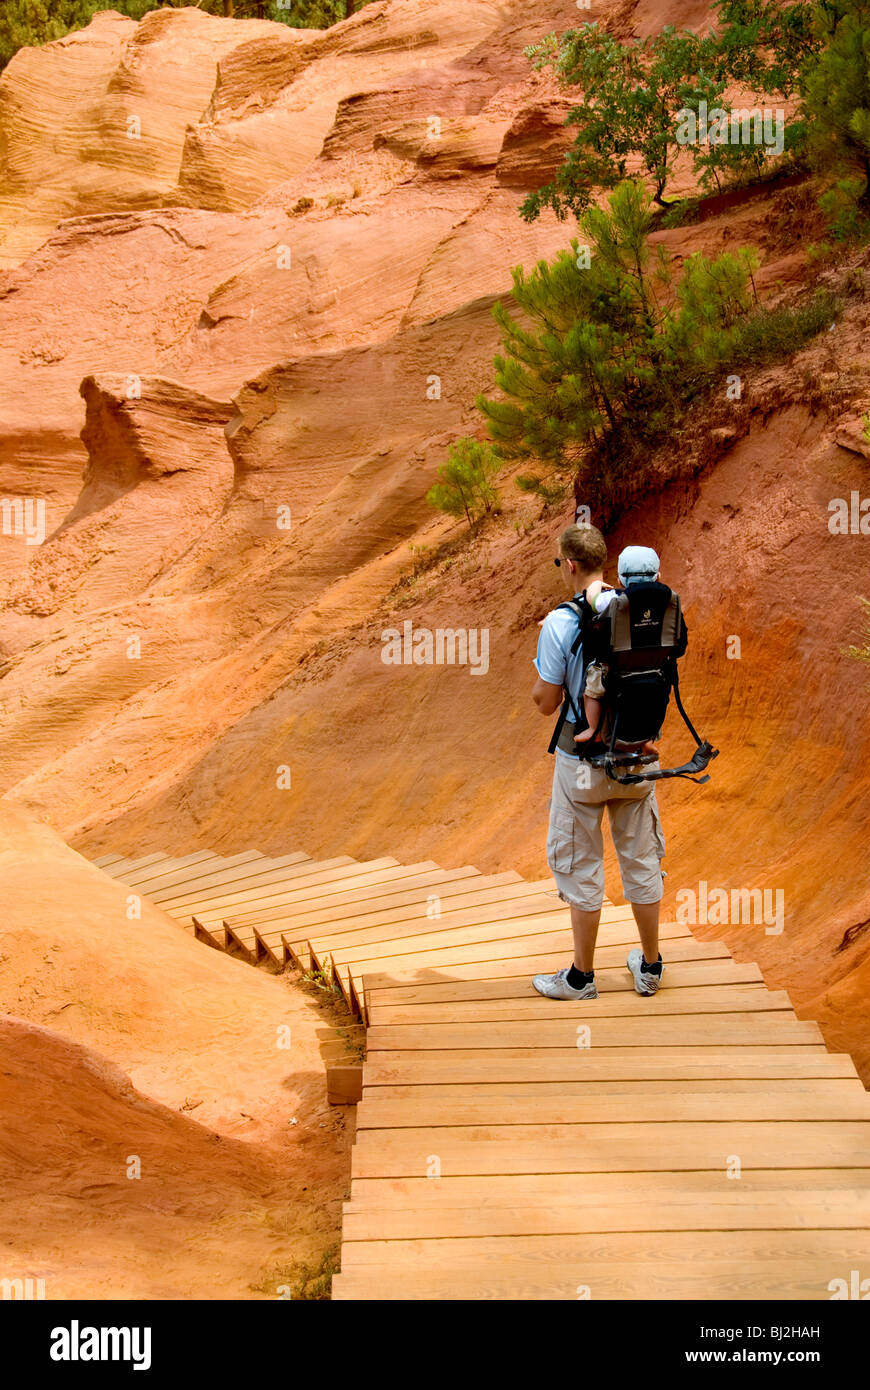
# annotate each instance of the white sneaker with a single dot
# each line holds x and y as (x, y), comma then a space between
(557, 987)
(644, 981)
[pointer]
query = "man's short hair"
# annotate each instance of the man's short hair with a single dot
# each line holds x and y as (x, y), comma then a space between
(586, 545)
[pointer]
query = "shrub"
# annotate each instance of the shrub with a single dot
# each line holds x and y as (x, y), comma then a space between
(466, 482)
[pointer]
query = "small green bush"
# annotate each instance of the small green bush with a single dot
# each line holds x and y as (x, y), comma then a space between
(466, 482)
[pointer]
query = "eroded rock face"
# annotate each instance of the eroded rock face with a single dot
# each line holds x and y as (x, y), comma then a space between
(298, 260)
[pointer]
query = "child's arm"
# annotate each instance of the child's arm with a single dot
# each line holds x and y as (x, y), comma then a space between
(599, 595)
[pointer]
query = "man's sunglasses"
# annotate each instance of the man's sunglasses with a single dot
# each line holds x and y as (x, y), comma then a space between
(557, 561)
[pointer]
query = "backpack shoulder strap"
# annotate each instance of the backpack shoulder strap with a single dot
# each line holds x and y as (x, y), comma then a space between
(578, 606)
(575, 606)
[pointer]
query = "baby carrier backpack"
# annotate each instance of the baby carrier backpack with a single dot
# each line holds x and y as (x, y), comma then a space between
(639, 637)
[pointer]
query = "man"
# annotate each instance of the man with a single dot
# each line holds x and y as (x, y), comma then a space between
(580, 794)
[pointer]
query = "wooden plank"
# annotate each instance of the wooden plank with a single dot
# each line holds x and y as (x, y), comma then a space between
(482, 889)
(154, 878)
(409, 937)
(273, 877)
(401, 904)
(324, 885)
(208, 938)
(707, 1000)
(511, 966)
(716, 1280)
(408, 900)
(403, 936)
(522, 1091)
(467, 916)
(524, 955)
(343, 1083)
(145, 872)
(724, 1030)
(674, 1146)
(659, 1188)
(131, 865)
(724, 1209)
(605, 1064)
(236, 869)
(402, 901)
(654, 1106)
(234, 896)
(105, 860)
(349, 949)
(681, 974)
(577, 1252)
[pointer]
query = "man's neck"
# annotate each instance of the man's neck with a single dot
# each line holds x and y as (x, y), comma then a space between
(584, 580)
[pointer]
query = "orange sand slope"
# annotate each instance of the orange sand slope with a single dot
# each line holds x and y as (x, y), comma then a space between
(193, 1030)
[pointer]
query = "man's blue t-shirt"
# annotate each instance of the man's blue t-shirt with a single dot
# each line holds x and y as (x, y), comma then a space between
(554, 662)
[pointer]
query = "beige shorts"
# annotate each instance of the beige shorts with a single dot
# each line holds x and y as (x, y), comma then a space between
(594, 682)
(575, 848)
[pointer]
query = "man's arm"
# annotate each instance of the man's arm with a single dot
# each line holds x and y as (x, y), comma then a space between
(550, 660)
(547, 697)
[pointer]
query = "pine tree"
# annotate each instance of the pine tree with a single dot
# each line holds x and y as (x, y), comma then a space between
(467, 481)
(633, 94)
(837, 94)
(592, 344)
(609, 345)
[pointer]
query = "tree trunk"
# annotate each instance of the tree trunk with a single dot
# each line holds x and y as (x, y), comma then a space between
(349, 8)
(228, 9)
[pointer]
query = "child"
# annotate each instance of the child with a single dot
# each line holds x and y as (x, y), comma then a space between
(637, 565)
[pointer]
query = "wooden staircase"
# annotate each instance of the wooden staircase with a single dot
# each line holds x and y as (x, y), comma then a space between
(702, 1143)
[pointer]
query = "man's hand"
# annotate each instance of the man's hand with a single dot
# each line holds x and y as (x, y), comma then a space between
(547, 697)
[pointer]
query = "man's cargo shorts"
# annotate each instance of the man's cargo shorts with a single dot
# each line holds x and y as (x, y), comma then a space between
(574, 844)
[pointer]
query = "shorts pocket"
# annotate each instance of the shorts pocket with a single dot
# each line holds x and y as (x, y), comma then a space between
(658, 833)
(560, 842)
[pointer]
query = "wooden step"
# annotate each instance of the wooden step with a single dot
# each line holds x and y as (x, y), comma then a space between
(520, 956)
(403, 902)
(680, 975)
(666, 1030)
(551, 1251)
(606, 1064)
(239, 868)
(315, 885)
(654, 1106)
(130, 865)
(725, 1207)
(540, 920)
(157, 875)
(675, 1146)
(521, 1189)
(157, 870)
(710, 999)
(693, 1277)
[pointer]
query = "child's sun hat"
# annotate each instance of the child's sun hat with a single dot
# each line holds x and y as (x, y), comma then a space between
(638, 564)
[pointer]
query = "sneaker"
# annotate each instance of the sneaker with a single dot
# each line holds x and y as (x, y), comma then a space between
(557, 987)
(645, 982)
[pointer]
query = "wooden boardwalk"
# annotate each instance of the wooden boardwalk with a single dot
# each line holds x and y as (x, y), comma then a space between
(702, 1143)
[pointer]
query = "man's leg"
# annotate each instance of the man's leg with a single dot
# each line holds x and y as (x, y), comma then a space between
(584, 926)
(575, 857)
(646, 915)
(639, 843)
